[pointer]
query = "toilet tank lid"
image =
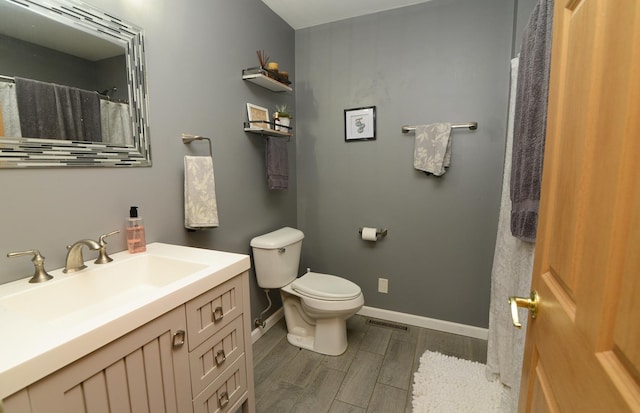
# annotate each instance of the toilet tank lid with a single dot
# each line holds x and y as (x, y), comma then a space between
(278, 239)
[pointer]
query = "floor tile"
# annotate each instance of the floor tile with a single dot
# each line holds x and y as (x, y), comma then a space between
(396, 367)
(320, 392)
(376, 340)
(361, 378)
(387, 399)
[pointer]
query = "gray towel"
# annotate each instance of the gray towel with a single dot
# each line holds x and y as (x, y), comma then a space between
(432, 148)
(78, 114)
(277, 163)
(530, 121)
(37, 108)
(57, 112)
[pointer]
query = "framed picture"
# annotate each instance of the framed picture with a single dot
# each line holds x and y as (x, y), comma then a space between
(258, 116)
(360, 124)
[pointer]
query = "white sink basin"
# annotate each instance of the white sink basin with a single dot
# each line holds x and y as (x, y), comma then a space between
(92, 291)
(49, 325)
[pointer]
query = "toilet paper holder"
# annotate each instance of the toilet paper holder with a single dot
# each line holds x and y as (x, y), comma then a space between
(380, 232)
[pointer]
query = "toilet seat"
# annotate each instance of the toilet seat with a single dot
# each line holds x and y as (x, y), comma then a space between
(326, 287)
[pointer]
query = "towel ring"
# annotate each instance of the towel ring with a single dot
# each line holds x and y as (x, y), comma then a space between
(187, 139)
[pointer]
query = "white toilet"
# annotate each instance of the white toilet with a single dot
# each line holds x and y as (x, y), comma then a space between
(316, 306)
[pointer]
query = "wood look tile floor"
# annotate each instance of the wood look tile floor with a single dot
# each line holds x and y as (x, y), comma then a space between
(375, 374)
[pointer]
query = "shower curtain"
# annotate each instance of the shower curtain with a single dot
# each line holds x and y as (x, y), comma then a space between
(511, 275)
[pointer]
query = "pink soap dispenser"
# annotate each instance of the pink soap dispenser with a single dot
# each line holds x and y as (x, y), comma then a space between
(136, 241)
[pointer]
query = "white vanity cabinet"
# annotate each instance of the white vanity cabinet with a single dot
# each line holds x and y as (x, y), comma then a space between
(194, 358)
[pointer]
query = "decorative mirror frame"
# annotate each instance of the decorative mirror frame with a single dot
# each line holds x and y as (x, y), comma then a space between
(41, 153)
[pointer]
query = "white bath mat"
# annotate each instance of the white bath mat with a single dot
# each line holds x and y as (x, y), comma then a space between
(445, 384)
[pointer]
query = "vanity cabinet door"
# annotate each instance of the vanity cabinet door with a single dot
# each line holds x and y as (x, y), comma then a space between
(142, 371)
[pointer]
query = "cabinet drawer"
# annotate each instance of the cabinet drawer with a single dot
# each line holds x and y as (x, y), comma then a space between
(225, 392)
(217, 353)
(212, 310)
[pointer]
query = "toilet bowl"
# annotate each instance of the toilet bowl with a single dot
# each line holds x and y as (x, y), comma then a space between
(316, 306)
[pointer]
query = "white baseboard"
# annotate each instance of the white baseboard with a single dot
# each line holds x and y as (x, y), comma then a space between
(410, 319)
(273, 319)
(426, 322)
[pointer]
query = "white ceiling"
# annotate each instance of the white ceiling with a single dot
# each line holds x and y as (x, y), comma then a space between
(306, 13)
(25, 24)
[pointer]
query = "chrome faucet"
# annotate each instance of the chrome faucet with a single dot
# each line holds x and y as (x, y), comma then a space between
(74, 261)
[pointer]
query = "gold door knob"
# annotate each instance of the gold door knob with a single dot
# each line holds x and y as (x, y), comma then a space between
(531, 303)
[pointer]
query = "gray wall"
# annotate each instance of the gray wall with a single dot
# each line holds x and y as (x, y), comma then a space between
(28, 60)
(24, 59)
(196, 50)
(445, 60)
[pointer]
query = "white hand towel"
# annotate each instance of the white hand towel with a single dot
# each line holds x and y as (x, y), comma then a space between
(200, 206)
(116, 123)
(432, 148)
(10, 116)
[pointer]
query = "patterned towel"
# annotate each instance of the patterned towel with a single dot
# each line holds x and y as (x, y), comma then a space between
(200, 206)
(432, 148)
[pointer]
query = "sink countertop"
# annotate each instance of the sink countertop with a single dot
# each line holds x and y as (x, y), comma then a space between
(31, 349)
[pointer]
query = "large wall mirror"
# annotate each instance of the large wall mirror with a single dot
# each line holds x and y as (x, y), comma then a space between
(73, 88)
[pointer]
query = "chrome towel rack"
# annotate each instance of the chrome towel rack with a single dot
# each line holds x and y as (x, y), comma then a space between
(470, 125)
(187, 139)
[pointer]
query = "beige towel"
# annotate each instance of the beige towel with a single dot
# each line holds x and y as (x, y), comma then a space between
(200, 206)
(432, 148)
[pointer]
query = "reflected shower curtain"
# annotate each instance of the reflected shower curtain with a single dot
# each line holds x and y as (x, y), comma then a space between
(511, 275)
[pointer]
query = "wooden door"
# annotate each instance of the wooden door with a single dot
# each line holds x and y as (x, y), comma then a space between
(583, 350)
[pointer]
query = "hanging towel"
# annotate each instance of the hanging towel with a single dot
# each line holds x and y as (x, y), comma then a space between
(200, 206)
(510, 275)
(51, 111)
(78, 113)
(10, 115)
(530, 121)
(116, 123)
(432, 148)
(37, 108)
(277, 163)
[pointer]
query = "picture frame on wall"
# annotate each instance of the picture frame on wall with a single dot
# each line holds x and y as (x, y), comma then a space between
(360, 124)
(258, 116)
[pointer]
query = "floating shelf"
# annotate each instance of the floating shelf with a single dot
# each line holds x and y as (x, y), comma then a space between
(266, 131)
(265, 81)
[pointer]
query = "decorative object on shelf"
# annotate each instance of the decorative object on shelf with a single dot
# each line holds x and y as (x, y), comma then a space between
(282, 118)
(267, 68)
(360, 124)
(263, 58)
(258, 116)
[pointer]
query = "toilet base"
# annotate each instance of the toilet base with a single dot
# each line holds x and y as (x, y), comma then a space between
(328, 336)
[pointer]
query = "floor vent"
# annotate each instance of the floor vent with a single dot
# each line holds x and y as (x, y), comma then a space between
(387, 324)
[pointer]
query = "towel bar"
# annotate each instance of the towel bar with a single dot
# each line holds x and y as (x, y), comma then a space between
(186, 139)
(470, 125)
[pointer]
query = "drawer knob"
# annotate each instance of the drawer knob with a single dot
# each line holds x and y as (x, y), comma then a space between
(223, 399)
(220, 357)
(178, 338)
(218, 314)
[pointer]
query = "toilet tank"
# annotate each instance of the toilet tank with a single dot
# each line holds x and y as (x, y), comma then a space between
(276, 257)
